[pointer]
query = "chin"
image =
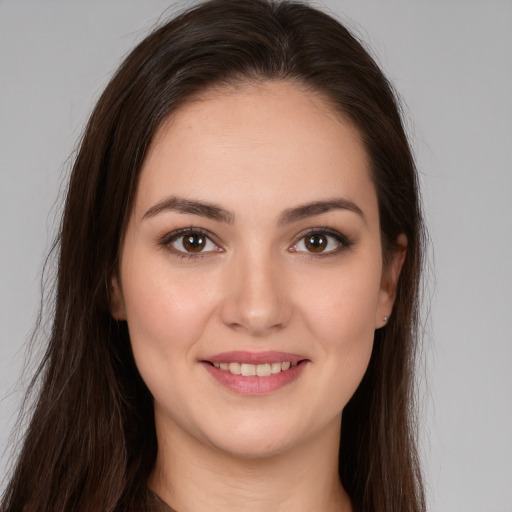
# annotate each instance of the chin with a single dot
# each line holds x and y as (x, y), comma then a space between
(252, 447)
(253, 440)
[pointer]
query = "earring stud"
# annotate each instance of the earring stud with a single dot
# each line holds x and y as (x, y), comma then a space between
(385, 319)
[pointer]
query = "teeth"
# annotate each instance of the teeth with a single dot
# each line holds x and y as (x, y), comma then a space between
(263, 370)
(276, 367)
(235, 368)
(249, 370)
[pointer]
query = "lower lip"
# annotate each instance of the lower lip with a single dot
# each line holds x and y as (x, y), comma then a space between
(255, 385)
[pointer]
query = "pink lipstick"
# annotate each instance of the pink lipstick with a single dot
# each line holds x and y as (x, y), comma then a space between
(255, 373)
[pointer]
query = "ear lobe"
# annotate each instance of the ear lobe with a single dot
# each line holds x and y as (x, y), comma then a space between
(389, 281)
(117, 306)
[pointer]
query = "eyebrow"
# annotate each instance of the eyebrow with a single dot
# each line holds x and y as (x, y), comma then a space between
(317, 208)
(215, 212)
(182, 205)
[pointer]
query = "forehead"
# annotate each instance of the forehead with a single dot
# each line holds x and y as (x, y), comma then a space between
(241, 144)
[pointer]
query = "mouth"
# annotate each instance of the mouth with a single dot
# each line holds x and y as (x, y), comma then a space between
(259, 370)
(255, 373)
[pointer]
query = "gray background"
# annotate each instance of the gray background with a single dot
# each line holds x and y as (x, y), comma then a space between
(451, 61)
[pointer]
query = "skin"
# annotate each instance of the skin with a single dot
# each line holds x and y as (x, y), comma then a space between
(256, 151)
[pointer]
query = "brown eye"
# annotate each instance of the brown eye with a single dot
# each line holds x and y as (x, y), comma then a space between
(315, 243)
(190, 243)
(194, 242)
(321, 243)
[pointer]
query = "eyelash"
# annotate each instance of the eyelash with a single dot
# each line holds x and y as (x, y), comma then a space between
(343, 242)
(168, 239)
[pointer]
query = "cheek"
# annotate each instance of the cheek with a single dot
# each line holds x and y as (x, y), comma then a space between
(167, 313)
(340, 314)
(340, 307)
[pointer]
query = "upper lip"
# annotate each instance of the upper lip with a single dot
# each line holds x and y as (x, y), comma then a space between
(246, 357)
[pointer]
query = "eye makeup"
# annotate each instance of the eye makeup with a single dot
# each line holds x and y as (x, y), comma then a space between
(192, 242)
(321, 242)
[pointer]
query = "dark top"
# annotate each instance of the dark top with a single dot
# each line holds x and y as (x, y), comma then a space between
(157, 504)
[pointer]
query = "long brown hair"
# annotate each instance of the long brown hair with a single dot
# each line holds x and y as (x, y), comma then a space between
(91, 442)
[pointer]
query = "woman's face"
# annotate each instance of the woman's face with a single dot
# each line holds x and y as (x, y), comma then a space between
(254, 246)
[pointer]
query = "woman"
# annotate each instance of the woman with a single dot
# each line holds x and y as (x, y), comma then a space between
(237, 290)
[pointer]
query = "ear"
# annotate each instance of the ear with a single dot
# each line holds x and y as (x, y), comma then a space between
(117, 306)
(389, 282)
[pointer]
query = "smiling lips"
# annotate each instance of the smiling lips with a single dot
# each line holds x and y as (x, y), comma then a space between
(255, 372)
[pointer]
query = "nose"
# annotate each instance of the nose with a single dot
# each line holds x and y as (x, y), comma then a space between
(257, 299)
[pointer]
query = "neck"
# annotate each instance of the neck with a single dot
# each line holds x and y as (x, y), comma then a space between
(193, 476)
